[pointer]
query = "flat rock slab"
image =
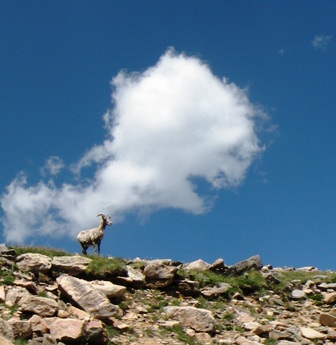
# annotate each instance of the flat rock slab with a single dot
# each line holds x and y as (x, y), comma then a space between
(34, 262)
(65, 329)
(87, 297)
(39, 305)
(109, 289)
(72, 265)
(310, 333)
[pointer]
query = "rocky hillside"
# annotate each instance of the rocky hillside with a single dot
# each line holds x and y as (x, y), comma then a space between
(49, 297)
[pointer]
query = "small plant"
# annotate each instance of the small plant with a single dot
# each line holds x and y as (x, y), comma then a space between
(20, 341)
(7, 276)
(111, 331)
(42, 294)
(182, 336)
(317, 298)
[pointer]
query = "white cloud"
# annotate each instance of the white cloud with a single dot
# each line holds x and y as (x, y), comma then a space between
(172, 123)
(53, 166)
(321, 41)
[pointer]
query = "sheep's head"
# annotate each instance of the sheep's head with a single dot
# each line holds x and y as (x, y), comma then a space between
(106, 219)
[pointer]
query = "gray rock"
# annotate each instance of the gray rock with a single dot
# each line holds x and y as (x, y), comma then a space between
(138, 279)
(6, 252)
(326, 286)
(158, 274)
(188, 287)
(298, 294)
(212, 292)
(87, 297)
(72, 265)
(199, 265)
(253, 262)
(42, 306)
(201, 320)
(218, 266)
(34, 262)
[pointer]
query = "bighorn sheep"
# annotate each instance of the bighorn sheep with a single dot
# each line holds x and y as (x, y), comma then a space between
(93, 237)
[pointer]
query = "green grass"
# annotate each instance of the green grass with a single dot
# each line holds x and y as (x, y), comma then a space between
(182, 336)
(7, 277)
(249, 282)
(51, 252)
(101, 267)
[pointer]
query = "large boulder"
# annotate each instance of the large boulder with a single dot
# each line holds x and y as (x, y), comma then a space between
(42, 306)
(72, 265)
(159, 274)
(6, 330)
(241, 267)
(198, 265)
(34, 262)
(201, 320)
(65, 329)
(21, 328)
(87, 297)
(14, 294)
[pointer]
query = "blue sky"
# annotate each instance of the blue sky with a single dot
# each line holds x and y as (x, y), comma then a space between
(205, 128)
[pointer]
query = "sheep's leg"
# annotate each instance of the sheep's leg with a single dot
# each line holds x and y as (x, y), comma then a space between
(84, 249)
(99, 248)
(95, 248)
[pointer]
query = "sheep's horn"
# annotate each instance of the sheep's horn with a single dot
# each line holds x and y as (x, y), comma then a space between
(101, 214)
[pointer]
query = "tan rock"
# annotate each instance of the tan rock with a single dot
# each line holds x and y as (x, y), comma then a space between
(109, 289)
(310, 333)
(14, 294)
(34, 262)
(5, 341)
(39, 305)
(330, 298)
(201, 320)
(78, 313)
(212, 292)
(6, 330)
(65, 329)
(158, 274)
(203, 338)
(21, 328)
(87, 297)
(327, 320)
(95, 332)
(2, 294)
(244, 341)
(244, 317)
(38, 324)
(28, 284)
